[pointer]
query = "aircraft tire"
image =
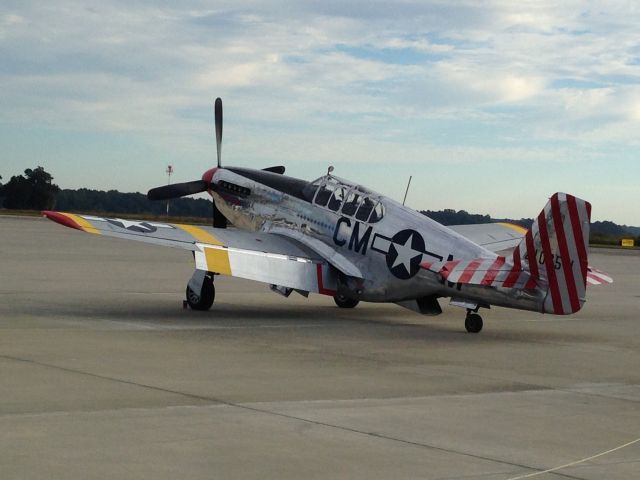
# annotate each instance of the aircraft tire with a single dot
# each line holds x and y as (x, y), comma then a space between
(473, 323)
(206, 297)
(344, 302)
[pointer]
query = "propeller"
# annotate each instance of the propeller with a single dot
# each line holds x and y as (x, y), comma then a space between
(219, 220)
(218, 116)
(176, 190)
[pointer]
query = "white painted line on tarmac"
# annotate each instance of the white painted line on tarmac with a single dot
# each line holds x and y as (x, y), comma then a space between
(577, 462)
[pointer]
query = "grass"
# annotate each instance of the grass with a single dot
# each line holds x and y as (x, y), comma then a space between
(617, 247)
(19, 213)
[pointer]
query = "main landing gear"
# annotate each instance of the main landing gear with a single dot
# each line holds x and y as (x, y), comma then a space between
(473, 322)
(344, 302)
(204, 299)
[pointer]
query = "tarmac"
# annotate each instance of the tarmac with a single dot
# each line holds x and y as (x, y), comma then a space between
(103, 374)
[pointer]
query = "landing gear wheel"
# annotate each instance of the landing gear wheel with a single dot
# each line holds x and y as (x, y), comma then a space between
(204, 300)
(344, 302)
(473, 323)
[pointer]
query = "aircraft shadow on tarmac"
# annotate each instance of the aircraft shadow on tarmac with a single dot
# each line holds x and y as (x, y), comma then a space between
(394, 324)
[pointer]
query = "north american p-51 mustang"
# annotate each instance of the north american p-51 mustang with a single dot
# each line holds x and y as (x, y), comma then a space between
(337, 238)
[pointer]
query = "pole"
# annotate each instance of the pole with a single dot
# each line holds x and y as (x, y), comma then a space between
(169, 172)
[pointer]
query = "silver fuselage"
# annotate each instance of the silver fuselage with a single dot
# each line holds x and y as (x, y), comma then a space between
(385, 254)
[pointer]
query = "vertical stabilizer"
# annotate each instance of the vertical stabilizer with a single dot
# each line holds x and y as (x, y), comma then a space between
(554, 253)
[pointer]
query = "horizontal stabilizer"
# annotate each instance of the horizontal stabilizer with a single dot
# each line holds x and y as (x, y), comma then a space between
(552, 257)
(488, 272)
(597, 277)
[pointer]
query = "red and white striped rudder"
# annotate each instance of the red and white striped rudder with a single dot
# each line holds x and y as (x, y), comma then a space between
(554, 252)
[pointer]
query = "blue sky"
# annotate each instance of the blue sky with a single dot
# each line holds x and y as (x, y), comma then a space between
(491, 106)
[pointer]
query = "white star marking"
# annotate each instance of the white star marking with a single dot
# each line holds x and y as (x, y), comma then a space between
(129, 223)
(405, 254)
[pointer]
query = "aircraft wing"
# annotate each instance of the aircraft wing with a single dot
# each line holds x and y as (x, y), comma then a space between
(496, 237)
(264, 257)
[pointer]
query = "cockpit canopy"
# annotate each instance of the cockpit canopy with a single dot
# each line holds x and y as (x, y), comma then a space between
(347, 199)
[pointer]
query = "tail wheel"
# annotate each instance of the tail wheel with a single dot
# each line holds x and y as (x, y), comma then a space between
(204, 299)
(344, 302)
(473, 323)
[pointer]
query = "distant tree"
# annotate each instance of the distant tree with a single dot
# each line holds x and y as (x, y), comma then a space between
(607, 228)
(451, 217)
(44, 191)
(17, 193)
(35, 190)
(98, 201)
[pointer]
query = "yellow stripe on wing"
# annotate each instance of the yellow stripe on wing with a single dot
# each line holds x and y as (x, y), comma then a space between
(200, 234)
(514, 227)
(218, 260)
(83, 223)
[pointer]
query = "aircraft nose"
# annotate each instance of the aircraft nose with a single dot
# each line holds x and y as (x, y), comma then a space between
(208, 175)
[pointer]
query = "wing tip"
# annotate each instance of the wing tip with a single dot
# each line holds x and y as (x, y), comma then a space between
(62, 219)
(512, 226)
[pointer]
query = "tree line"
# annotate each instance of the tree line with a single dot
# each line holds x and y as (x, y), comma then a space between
(35, 190)
(602, 233)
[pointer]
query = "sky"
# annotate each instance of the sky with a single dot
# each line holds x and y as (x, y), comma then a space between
(490, 106)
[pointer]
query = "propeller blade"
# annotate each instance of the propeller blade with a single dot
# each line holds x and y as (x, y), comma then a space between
(219, 220)
(218, 115)
(177, 190)
(279, 169)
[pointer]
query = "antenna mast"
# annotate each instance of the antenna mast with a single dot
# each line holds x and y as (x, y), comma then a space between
(407, 190)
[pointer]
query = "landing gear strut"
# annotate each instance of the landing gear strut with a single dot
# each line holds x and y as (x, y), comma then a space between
(204, 299)
(473, 322)
(344, 302)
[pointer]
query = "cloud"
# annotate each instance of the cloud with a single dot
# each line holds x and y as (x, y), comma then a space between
(196, 50)
(358, 79)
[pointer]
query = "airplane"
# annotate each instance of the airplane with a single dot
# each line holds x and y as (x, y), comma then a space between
(335, 237)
